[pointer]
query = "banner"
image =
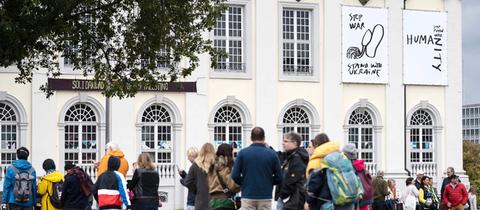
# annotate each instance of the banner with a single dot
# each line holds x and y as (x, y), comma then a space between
(364, 45)
(425, 48)
(91, 85)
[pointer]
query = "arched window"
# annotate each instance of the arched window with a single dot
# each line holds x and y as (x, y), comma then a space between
(297, 120)
(228, 127)
(360, 133)
(421, 137)
(8, 133)
(81, 134)
(157, 133)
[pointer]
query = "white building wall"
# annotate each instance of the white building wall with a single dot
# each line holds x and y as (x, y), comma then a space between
(265, 93)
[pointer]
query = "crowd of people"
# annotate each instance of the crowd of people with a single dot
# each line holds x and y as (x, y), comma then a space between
(320, 177)
(323, 176)
(75, 190)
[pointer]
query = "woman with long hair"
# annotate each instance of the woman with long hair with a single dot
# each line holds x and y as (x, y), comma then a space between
(220, 184)
(197, 176)
(410, 195)
(394, 196)
(144, 184)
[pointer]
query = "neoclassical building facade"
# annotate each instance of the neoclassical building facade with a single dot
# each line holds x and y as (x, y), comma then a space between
(283, 73)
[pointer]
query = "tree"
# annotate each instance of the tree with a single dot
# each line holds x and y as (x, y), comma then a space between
(471, 163)
(119, 42)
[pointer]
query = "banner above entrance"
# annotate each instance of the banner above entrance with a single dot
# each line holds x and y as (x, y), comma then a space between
(91, 85)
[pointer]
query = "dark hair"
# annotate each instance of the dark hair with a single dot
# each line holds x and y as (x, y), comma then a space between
(319, 140)
(409, 181)
(48, 164)
(68, 165)
(258, 134)
(453, 177)
(226, 150)
(422, 185)
(22, 153)
(292, 136)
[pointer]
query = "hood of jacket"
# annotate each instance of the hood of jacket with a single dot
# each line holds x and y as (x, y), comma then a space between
(316, 160)
(54, 176)
(117, 153)
(302, 152)
(359, 165)
(22, 165)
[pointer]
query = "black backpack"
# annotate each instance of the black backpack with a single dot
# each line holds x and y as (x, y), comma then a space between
(55, 197)
(22, 188)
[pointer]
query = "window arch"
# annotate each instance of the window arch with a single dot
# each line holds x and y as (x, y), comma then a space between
(157, 133)
(296, 119)
(228, 127)
(421, 137)
(9, 126)
(81, 134)
(361, 133)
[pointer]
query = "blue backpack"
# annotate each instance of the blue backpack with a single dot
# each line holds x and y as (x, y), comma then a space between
(344, 185)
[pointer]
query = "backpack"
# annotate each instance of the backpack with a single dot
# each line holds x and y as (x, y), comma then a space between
(344, 185)
(55, 197)
(367, 184)
(22, 188)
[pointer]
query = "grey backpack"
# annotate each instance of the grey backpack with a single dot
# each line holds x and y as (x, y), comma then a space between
(22, 189)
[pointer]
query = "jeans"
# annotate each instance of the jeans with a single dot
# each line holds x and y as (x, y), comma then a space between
(15, 207)
(280, 204)
(190, 207)
(379, 205)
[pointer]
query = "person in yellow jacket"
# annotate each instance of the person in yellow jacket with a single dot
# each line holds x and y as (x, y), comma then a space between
(46, 182)
(113, 150)
(316, 160)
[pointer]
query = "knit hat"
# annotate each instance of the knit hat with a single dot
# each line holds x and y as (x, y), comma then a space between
(48, 165)
(350, 151)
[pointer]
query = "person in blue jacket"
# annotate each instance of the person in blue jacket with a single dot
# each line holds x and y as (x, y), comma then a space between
(20, 166)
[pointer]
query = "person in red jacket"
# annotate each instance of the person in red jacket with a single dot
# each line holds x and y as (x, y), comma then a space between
(455, 195)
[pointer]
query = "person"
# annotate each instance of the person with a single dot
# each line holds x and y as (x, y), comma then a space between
(427, 198)
(317, 141)
(110, 189)
(472, 198)
(380, 192)
(113, 150)
(257, 170)
(77, 188)
(23, 168)
(410, 196)
(144, 184)
(192, 153)
(197, 180)
(394, 197)
(324, 148)
(418, 181)
(220, 184)
(45, 186)
(445, 182)
(290, 194)
(455, 195)
(318, 192)
(351, 152)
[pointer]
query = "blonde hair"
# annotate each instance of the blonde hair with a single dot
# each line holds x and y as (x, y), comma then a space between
(206, 157)
(145, 161)
(192, 152)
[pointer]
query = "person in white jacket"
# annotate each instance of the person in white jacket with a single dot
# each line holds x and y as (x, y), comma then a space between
(410, 195)
(472, 198)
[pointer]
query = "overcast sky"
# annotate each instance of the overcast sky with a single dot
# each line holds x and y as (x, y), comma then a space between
(471, 51)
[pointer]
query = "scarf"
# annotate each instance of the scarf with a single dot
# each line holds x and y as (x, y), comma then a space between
(85, 181)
